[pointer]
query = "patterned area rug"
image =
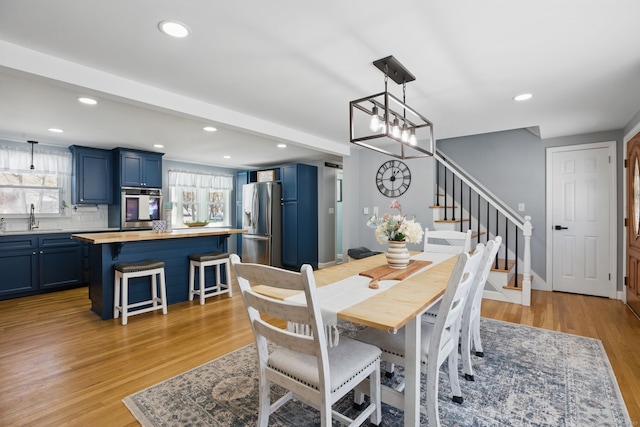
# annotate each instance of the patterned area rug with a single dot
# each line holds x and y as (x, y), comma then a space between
(528, 377)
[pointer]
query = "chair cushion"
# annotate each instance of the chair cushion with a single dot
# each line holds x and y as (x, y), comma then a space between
(394, 343)
(345, 360)
(132, 267)
(212, 256)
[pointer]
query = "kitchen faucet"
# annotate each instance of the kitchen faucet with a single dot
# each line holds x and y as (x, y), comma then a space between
(32, 218)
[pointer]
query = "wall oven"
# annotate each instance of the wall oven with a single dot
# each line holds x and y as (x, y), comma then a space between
(140, 207)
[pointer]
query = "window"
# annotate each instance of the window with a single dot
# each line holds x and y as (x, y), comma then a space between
(200, 197)
(43, 187)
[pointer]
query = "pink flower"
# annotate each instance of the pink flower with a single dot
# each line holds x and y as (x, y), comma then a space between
(396, 205)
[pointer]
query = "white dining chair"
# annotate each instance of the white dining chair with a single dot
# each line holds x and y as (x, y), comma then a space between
(304, 365)
(456, 241)
(470, 327)
(439, 340)
(471, 314)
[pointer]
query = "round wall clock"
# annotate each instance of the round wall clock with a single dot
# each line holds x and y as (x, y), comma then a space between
(393, 178)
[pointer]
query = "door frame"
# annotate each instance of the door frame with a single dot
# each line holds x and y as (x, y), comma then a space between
(613, 215)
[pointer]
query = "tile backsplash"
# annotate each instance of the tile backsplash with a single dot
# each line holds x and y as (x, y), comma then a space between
(76, 218)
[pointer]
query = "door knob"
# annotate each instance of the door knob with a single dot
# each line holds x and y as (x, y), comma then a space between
(559, 227)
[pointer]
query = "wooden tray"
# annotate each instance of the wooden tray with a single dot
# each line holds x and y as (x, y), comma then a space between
(388, 273)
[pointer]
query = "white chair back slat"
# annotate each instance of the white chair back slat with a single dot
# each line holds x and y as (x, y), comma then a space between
(456, 241)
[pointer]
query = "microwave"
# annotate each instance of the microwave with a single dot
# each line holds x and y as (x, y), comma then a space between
(140, 207)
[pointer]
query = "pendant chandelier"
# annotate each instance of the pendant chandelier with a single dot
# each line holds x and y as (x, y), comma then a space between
(386, 124)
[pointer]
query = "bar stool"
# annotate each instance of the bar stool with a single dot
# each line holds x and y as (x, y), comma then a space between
(127, 270)
(208, 260)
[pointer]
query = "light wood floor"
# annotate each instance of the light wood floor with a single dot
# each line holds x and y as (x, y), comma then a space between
(61, 365)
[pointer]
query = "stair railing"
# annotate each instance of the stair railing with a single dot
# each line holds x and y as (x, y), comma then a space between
(490, 214)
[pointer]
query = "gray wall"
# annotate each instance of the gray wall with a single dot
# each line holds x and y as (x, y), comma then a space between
(512, 164)
(361, 192)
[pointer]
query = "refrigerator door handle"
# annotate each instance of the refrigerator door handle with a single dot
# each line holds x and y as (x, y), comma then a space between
(254, 237)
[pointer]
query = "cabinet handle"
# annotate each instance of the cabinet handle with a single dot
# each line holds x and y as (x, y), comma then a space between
(41, 252)
(33, 253)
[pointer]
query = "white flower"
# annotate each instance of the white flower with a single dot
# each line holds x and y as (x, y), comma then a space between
(396, 228)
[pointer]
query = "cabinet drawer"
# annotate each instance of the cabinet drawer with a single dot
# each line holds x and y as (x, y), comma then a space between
(57, 240)
(17, 243)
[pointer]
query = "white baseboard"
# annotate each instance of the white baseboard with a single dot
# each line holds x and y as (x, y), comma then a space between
(326, 264)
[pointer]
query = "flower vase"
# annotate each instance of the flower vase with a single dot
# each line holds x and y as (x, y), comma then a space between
(398, 255)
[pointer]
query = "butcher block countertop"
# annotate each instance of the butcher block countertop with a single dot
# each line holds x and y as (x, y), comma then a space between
(142, 235)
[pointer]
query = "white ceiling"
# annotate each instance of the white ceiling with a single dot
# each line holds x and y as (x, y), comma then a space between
(285, 70)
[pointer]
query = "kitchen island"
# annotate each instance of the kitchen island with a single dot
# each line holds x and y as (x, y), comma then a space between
(173, 248)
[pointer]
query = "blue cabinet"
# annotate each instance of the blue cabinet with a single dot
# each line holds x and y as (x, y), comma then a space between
(139, 168)
(59, 261)
(92, 176)
(19, 266)
(299, 216)
(242, 178)
(33, 264)
(299, 212)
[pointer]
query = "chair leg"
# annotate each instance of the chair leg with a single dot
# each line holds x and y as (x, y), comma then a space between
(374, 394)
(264, 409)
(432, 397)
(477, 342)
(465, 350)
(453, 376)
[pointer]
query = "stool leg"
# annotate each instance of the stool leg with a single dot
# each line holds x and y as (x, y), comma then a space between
(192, 268)
(116, 296)
(125, 299)
(163, 292)
(154, 291)
(202, 283)
(228, 278)
(218, 279)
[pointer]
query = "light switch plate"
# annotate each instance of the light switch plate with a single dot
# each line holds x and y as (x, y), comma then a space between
(365, 211)
(520, 207)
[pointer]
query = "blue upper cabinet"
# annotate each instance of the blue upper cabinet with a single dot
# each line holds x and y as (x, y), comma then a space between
(139, 168)
(92, 176)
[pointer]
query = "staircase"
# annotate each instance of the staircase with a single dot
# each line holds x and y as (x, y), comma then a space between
(461, 203)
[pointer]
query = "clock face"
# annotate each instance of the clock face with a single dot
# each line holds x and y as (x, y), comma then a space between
(393, 178)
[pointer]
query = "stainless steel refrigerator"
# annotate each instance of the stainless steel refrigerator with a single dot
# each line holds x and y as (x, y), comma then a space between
(262, 216)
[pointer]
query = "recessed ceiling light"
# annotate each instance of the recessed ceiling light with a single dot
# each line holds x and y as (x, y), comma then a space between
(282, 145)
(56, 130)
(226, 157)
(158, 145)
(174, 29)
(209, 128)
(523, 97)
(87, 101)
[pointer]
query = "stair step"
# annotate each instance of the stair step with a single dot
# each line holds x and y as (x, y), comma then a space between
(512, 283)
(501, 268)
(451, 220)
(442, 207)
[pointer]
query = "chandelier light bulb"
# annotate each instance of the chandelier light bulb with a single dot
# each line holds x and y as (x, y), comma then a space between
(374, 125)
(404, 136)
(412, 137)
(395, 128)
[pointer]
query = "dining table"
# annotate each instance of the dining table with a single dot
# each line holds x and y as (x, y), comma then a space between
(344, 292)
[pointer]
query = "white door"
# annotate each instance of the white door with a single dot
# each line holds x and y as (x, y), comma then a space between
(580, 211)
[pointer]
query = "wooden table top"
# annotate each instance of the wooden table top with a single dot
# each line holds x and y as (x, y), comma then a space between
(391, 309)
(141, 235)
